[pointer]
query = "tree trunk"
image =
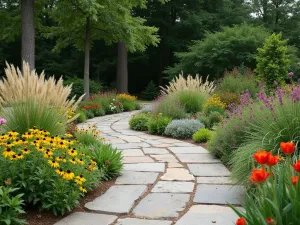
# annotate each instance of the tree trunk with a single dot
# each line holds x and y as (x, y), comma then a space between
(87, 43)
(122, 71)
(28, 32)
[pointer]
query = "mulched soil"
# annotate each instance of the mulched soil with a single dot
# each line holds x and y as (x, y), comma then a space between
(35, 217)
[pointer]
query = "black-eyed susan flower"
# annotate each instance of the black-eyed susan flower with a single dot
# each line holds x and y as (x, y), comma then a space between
(73, 161)
(14, 157)
(20, 156)
(72, 152)
(68, 134)
(40, 148)
(82, 189)
(80, 161)
(53, 163)
(80, 180)
(25, 151)
(68, 175)
(62, 144)
(48, 154)
(60, 172)
(8, 152)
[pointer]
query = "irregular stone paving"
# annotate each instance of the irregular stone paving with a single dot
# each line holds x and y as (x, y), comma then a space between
(164, 182)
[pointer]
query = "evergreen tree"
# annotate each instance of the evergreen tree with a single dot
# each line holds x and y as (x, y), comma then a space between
(273, 60)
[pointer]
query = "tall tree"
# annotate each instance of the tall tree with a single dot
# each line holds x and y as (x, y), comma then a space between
(28, 32)
(81, 22)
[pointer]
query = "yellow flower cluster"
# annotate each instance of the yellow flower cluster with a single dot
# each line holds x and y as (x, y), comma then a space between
(126, 97)
(92, 130)
(215, 100)
(58, 153)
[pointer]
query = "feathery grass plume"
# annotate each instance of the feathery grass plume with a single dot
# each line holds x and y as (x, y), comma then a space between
(192, 84)
(19, 87)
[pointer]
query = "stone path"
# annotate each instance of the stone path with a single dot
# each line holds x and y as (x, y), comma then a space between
(164, 182)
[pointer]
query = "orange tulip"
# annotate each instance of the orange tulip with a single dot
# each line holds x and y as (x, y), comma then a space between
(287, 147)
(259, 175)
(241, 221)
(262, 157)
(270, 221)
(272, 160)
(295, 180)
(297, 166)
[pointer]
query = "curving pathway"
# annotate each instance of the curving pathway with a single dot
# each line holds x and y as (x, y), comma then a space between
(165, 182)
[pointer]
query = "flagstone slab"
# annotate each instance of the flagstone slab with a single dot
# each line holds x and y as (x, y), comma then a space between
(155, 151)
(175, 165)
(198, 158)
(132, 152)
(137, 159)
(80, 218)
(133, 221)
(179, 174)
(165, 158)
(173, 187)
(163, 145)
(183, 144)
(209, 170)
(219, 194)
(131, 145)
(161, 205)
(147, 167)
(208, 215)
(188, 150)
(132, 177)
(117, 199)
(214, 180)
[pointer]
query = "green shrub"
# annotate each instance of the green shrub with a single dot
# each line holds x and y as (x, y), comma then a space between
(10, 206)
(150, 92)
(237, 81)
(183, 128)
(230, 98)
(82, 116)
(202, 135)
(128, 105)
(88, 136)
(104, 99)
(169, 106)
(273, 61)
(21, 117)
(108, 159)
(98, 112)
(205, 120)
(77, 86)
(158, 124)
(214, 117)
(89, 114)
(139, 122)
(192, 101)
(214, 104)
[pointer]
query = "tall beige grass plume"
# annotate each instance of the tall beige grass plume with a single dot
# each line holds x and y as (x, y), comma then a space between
(181, 83)
(18, 87)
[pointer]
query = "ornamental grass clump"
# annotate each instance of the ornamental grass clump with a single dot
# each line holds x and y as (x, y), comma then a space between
(190, 83)
(183, 128)
(276, 195)
(169, 106)
(49, 170)
(21, 87)
(191, 101)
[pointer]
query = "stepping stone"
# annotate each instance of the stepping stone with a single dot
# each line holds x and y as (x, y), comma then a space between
(170, 141)
(165, 158)
(147, 167)
(153, 142)
(150, 137)
(162, 145)
(174, 165)
(132, 152)
(80, 218)
(183, 144)
(132, 221)
(198, 158)
(219, 194)
(155, 151)
(130, 139)
(173, 187)
(214, 180)
(208, 215)
(177, 174)
(161, 205)
(132, 177)
(131, 145)
(209, 170)
(137, 159)
(118, 199)
(116, 141)
(188, 150)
